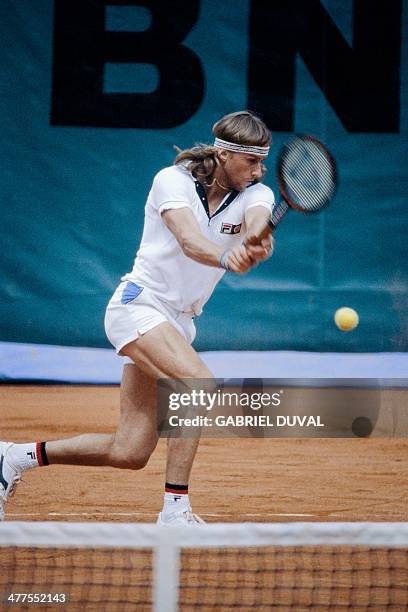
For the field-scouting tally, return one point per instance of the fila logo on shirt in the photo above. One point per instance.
(229, 228)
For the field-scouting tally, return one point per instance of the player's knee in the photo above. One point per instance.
(131, 458)
(137, 461)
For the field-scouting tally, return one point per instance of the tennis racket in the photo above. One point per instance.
(307, 179)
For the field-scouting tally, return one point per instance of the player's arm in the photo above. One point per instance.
(182, 223)
(256, 218)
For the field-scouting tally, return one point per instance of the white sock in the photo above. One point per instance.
(25, 456)
(174, 502)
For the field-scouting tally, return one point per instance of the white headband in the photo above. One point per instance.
(238, 148)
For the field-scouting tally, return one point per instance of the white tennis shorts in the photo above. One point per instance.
(134, 310)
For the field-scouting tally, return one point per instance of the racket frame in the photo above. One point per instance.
(281, 182)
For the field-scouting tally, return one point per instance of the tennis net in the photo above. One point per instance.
(286, 566)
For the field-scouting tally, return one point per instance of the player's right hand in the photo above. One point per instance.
(239, 260)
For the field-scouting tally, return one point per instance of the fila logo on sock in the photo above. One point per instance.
(32, 455)
(177, 498)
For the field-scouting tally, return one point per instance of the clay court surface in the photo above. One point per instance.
(233, 480)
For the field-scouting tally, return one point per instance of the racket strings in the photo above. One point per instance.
(307, 174)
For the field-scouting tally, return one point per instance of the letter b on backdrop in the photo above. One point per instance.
(82, 47)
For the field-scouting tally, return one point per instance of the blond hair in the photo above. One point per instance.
(242, 127)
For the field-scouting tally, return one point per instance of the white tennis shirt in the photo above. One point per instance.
(160, 263)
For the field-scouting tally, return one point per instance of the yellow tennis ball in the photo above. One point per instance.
(346, 319)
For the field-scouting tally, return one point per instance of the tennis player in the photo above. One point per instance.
(202, 217)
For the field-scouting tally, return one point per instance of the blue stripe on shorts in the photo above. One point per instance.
(130, 292)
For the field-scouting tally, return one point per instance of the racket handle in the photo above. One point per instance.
(278, 212)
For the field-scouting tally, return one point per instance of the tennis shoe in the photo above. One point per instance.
(10, 476)
(181, 517)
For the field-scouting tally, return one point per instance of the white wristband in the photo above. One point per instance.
(223, 259)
